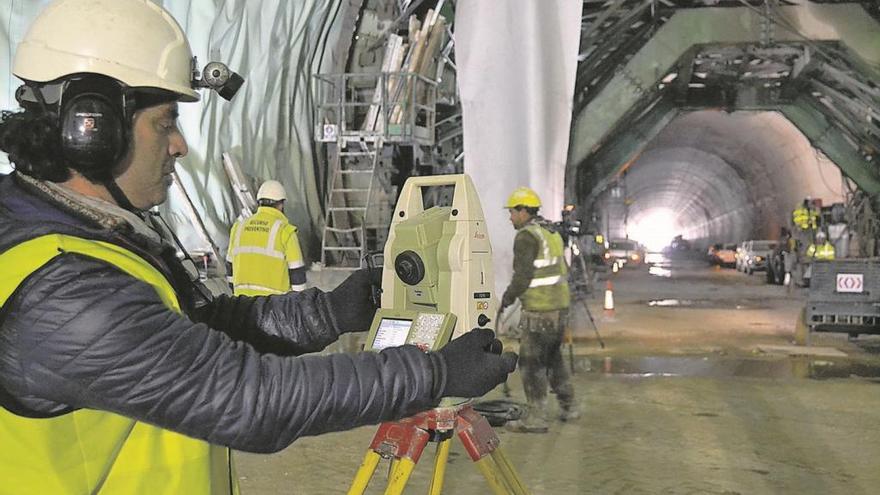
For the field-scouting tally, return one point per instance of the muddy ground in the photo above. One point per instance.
(698, 390)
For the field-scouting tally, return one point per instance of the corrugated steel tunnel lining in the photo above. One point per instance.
(726, 177)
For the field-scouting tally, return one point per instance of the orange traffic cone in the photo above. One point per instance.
(609, 300)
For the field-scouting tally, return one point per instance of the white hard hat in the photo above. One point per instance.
(272, 190)
(133, 41)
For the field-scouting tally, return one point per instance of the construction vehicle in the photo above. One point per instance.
(843, 292)
(832, 221)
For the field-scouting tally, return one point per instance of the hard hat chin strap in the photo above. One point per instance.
(119, 196)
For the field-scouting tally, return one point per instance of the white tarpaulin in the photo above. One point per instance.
(275, 45)
(516, 64)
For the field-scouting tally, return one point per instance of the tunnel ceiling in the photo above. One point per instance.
(728, 55)
(727, 177)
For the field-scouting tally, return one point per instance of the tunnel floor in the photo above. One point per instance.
(709, 396)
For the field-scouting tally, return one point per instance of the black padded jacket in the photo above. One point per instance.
(79, 333)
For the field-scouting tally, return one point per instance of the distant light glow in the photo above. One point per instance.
(654, 258)
(654, 229)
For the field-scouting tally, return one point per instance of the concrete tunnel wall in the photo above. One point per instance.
(726, 177)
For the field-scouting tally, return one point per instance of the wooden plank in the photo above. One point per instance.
(391, 49)
(415, 25)
(435, 39)
(415, 60)
(394, 81)
(397, 96)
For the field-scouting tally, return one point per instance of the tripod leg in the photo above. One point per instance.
(440, 466)
(365, 472)
(494, 476)
(399, 476)
(392, 466)
(595, 328)
(509, 473)
(481, 442)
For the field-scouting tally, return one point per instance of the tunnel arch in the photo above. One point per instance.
(644, 102)
(727, 177)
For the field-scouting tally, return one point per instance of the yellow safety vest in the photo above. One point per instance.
(805, 218)
(262, 249)
(88, 451)
(823, 252)
(548, 289)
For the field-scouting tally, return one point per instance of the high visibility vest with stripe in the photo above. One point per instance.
(805, 218)
(823, 252)
(548, 289)
(88, 451)
(262, 249)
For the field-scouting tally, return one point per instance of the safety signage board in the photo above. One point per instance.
(850, 282)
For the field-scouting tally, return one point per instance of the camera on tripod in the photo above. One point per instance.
(567, 227)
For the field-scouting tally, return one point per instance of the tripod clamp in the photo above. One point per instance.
(404, 441)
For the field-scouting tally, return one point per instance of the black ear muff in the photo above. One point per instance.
(93, 128)
(92, 134)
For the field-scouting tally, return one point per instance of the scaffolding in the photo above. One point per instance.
(359, 117)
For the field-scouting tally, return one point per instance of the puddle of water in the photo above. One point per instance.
(715, 367)
(708, 303)
(659, 271)
(670, 302)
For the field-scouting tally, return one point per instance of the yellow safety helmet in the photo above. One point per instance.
(272, 190)
(136, 42)
(523, 196)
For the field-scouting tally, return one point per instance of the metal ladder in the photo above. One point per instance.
(349, 199)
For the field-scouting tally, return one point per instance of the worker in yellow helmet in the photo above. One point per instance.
(805, 216)
(264, 256)
(540, 281)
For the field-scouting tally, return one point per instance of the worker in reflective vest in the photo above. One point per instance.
(821, 249)
(120, 373)
(540, 281)
(264, 256)
(805, 217)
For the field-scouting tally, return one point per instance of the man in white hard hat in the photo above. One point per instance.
(264, 256)
(118, 372)
(822, 249)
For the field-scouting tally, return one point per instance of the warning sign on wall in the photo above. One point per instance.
(850, 282)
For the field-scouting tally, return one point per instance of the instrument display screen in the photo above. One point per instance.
(392, 332)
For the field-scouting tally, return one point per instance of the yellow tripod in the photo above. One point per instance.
(404, 441)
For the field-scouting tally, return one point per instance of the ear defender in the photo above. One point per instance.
(93, 126)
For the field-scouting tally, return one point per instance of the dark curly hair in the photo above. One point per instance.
(32, 139)
(532, 211)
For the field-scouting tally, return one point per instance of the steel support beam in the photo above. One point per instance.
(610, 161)
(824, 136)
(592, 127)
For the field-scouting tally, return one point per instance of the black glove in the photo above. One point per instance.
(505, 302)
(352, 302)
(475, 364)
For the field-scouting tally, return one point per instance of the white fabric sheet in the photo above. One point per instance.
(516, 64)
(275, 45)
